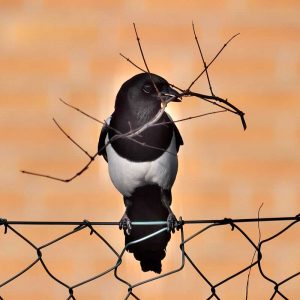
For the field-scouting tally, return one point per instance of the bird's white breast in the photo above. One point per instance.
(127, 175)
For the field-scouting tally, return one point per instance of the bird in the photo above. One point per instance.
(143, 167)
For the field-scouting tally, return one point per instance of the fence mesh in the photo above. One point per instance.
(10, 228)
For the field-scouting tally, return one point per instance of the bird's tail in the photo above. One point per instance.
(147, 206)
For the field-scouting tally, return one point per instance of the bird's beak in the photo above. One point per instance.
(170, 95)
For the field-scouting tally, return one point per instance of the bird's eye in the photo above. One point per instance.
(147, 88)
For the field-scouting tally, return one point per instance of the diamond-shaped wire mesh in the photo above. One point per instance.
(9, 228)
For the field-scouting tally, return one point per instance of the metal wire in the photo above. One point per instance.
(9, 228)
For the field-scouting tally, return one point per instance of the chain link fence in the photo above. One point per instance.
(9, 228)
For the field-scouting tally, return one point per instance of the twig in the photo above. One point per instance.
(130, 61)
(62, 179)
(72, 140)
(192, 117)
(188, 92)
(140, 46)
(202, 57)
(81, 111)
(132, 133)
(145, 63)
(120, 135)
(233, 109)
(195, 80)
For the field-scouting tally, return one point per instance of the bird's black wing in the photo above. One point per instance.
(102, 137)
(178, 137)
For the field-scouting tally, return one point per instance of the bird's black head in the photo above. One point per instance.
(139, 95)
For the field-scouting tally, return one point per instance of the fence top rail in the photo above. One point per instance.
(142, 223)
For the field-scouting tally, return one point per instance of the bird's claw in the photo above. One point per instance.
(125, 224)
(172, 222)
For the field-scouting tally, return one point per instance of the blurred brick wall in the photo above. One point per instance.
(70, 49)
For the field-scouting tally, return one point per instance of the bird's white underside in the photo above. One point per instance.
(127, 175)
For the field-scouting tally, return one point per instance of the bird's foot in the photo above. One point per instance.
(172, 222)
(125, 224)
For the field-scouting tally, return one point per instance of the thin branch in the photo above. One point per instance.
(130, 61)
(72, 140)
(89, 116)
(137, 131)
(120, 135)
(81, 111)
(208, 98)
(151, 122)
(188, 92)
(192, 117)
(62, 179)
(203, 61)
(194, 81)
(151, 147)
(132, 133)
(176, 87)
(145, 63)
(140, 46)
(233, 109)
(201, 115)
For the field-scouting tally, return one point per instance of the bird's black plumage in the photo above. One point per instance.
(143, 171)
(147, 206)
(130, 114)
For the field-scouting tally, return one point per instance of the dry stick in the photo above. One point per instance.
(132, 133)
(194, 81)
(145, 63)
(92, 157)
(203, 61)
(202, 115)
(153, 125)
(104, 123)
(188, 92)
(140, 46)
(81, 111)
(192, 117)
(148, 124)
(61, 179)
(126, 135)
(233, 109)
(72, 140)
(130, 61)
(89, 116)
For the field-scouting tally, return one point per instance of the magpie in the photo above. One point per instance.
(143, 168)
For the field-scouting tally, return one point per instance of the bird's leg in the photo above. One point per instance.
(166, 199)
(125, 222)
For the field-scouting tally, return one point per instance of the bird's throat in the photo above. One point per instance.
(145, 114)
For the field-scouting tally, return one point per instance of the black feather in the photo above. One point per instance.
(101, 143)
(147, 206)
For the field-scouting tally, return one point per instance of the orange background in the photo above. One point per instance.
(70, 49)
